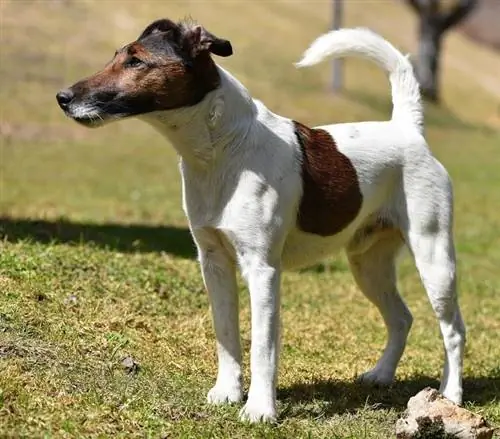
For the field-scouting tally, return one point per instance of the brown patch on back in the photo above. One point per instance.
(331, 196)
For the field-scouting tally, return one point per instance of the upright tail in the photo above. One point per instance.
(367, 44)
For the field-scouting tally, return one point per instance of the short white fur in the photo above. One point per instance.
(241, 181)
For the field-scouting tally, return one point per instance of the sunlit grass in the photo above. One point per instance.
(97, 265)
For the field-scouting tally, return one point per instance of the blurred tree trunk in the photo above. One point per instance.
(434, 21)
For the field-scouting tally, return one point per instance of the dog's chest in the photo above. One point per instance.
(203, 197)
(331, 195)
(219, 197)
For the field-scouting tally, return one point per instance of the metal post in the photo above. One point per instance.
(338, 63)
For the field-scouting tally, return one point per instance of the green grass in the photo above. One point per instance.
(97, 265)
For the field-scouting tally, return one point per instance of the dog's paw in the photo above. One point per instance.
(257, 411)
(377, 377)
(453, 394)
(220, 394)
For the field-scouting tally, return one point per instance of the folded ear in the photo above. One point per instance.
(163, 25)
(199, 40)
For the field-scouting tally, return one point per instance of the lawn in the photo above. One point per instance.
(105, 329)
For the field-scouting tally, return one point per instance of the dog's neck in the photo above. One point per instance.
(215, 126)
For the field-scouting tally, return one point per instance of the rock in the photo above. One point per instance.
(431, 416)
(71, 300)
(130, 365)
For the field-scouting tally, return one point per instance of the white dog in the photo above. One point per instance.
(266, 193)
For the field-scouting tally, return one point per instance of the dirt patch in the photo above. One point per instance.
(34, 351)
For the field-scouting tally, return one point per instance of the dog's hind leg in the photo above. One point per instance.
(375, 272)
(429, 236)
(434, 256)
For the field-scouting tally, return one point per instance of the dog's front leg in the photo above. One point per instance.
(219, 275)
(264, 281)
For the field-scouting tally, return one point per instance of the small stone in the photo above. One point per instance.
(130, 365)
(71, 300)
(430, 415)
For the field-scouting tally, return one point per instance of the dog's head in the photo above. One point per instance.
(169, 66)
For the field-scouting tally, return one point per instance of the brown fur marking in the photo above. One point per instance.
(331, 196)
(168, 67)
(162, 84)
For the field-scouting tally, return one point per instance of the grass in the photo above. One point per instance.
(105, 329)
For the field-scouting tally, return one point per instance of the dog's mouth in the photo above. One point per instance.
(93, 120)
(92, 117)
(89, 121)
(93, 110)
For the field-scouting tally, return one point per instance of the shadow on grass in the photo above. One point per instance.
(119, 237)
(347, 397)
(438, 116)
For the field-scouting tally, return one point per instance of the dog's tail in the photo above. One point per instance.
(367, 44)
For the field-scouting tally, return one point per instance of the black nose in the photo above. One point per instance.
(64, 97)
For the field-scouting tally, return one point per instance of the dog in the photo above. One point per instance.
(266, 193)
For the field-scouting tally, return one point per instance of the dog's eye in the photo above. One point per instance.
(134, 62)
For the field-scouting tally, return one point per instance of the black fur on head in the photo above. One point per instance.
(186, 38)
